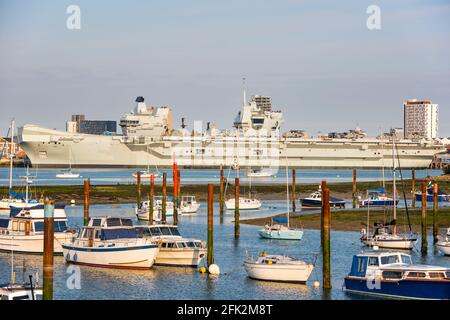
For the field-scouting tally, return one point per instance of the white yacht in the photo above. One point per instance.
(23, 231)
(111, 243)
(68, 174)
(142, 212)
(244, 204)
(278, 268)
(189, 205)
(174, 250)
(443, 244)
(260, 173)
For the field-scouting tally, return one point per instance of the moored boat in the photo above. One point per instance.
(278, 268)
(142, 212)
(244, 204)
(443, 244)
(393, 275)
(110, 243)
(174, 251)
(189, 205)
(377, 198)
(23, 231)
(441, 195)
(384, 237)
(314, 200)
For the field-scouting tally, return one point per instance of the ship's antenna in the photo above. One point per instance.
(245, 94)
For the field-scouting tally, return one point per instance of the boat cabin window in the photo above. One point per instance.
(165, 231)
(181, 245)
(416, 275)
(58, 226)
(389, 259)
(392, 275)
(373, 261)
(437, 275)
(174, 231)
(21, 297)
(155, 231)
(122, 233)
(170, 245)
(406, 259)
(4, 223)
(96, 222)
(191, 244)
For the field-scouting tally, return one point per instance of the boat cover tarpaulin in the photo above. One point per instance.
(377, 190)
(280, 220)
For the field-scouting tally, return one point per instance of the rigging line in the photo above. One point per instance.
(403, 189)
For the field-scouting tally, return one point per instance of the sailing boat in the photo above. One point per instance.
(244, 203)
(145, 174)
(68, 174)
(15, 199)
(278, 230)
(385, 235)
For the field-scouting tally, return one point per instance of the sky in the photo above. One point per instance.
(317, 59)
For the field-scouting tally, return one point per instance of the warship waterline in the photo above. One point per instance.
(255, 141)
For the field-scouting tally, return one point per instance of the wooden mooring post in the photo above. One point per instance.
(293, 190)
(237, 231)
(49, 209)
(151, 199)
(323, 186)
(138, 191)
(424, 219)
(354, 188)
(221, 195)
(86, 202)
(326, 247)
(435, 213)
(210, 254)
(164, 199)
(175, 194)
(413, 188)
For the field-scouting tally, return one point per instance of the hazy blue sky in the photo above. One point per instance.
(317, 60)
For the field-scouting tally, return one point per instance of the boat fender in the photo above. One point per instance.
(316, 284)
(269, 261)
(202, 270)
(214, 269)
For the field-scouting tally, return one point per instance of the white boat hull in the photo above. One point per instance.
(243, 205)
(180, 257)
(444, 247)
(281, 273)
(32, 244)
(68, 176)
(128, 257)
(391, 244)
(192, 208)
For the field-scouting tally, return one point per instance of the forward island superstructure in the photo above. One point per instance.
(148, 138)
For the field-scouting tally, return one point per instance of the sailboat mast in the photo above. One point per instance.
(26, 188)
(394, 187)
(11, 152)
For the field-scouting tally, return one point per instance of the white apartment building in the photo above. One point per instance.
(72, 126)
(420, 119)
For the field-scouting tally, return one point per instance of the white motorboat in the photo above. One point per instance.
(189, 205)
(146, 174)
(20, 292)
(278, 268)
(174, 250)
(443, 245)
(142, 212)
(244, 204)
(23, 231)
(260, 173)
(111, 243)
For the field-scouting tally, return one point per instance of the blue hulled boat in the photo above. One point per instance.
(441, 195)
(279, 231)
(377, 197)
(391, 274)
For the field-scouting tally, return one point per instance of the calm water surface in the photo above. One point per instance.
(186, 283)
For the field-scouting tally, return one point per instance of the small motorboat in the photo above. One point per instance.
(393, 275)
(142, 212)
(111, 243)
(68, 175)
(20, 292)
(174, 250)
(189, 205)
(244, 204)
(377, 197)
(278, 230)
(23, 230)
(443, 245)
(260, 173)
(384, 237)
(315, 201)
(441, 195)
(278, 268)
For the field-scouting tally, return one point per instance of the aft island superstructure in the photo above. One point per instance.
(148, 139)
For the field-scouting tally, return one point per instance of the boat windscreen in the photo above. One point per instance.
(155, 231)
(174, 231)
(4, 223)
(125, 233)
(165, 231)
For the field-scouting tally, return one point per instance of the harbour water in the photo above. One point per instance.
(170, 283)
(198, 176)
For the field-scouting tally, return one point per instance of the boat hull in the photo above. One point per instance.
(130, 257)
(444, 248)
(430, 198)
(180, 257)
(391, 244)
(279, 273)
(313, 203)
(32, 244)
(378, 203)
(402, 289)
(281, 234)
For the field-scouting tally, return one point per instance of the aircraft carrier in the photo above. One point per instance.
(255, 140)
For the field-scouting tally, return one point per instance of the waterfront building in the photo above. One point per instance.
(420, 119)
(72, 126)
